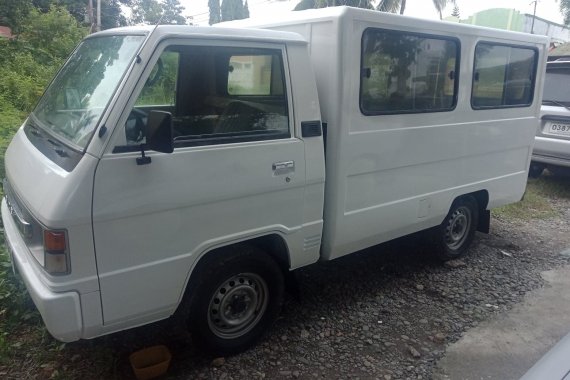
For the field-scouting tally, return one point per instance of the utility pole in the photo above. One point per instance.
(99, 15)
(533, 16)
(90, 18)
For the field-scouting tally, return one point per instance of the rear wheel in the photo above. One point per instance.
(456, 232)
(235, 299)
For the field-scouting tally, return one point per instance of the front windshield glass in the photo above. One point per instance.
(75, 100)
(556, 85)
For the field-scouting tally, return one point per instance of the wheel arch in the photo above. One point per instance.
(272, 244)
(482, 199)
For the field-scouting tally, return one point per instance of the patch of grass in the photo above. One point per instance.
(537, 199)
(551, 186)
(16, 310)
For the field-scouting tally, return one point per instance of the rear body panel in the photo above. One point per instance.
(392, 175)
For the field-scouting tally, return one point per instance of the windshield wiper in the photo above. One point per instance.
(556, 102)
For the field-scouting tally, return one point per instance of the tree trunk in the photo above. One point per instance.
(402, 6)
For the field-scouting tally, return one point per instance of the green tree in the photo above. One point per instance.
(146, 12)
(29, 62)
(245, 10)
(384, 5)
(392, 6)
(13, 13)
(54, 33)
(151, 12)
(232, 10)
(313, 4)
(172, 11)
(440, 6)
(215, 14)
(455, 12)
(565, 9)
(306, 4)
(111, 14)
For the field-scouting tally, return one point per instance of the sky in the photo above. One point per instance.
(547, 9)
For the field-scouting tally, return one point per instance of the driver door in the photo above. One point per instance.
(237, 171)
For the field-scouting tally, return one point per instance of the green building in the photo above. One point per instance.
(511, 19)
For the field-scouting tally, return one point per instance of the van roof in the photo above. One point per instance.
(205, 32)
(389, 20)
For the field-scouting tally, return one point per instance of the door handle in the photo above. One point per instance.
(283, 167)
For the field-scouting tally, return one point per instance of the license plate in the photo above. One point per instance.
(557, 128)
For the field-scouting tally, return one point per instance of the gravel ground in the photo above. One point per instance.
(388, 312)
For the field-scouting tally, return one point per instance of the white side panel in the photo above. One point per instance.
(391, 175)
(399, 174)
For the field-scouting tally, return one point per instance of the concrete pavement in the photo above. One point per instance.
(505, 348)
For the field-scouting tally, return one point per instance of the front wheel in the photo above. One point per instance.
(235, 300)
(456, 232)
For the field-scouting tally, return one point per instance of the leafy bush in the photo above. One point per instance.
(10, 120)
(30, 61)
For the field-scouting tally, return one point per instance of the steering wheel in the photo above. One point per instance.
(135, 132)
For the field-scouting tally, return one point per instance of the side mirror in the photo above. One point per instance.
(159, 132)
(158, 135)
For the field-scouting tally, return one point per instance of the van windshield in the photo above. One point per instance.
(73, 103)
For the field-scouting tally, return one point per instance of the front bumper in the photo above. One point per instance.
(61, 312)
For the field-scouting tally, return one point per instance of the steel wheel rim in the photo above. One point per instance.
(458, 227)
(237, 305)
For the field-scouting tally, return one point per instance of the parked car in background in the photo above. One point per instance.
(552, 142)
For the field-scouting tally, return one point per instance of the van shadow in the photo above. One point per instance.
(351, 280)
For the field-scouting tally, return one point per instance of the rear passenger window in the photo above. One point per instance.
(407, 72)
(250, 75)
(216, 95)
(503, 76)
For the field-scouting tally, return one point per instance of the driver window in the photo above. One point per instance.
(216, 95)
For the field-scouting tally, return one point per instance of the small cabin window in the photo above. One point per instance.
(503, 76)
(407, 72)
(250, 74)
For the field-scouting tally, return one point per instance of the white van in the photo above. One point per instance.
(182, 169)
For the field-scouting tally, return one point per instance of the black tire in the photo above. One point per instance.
(535, 170)
(248, 285)
(456, 232)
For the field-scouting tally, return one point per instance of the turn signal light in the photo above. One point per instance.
(55, 252)
(54, 240)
